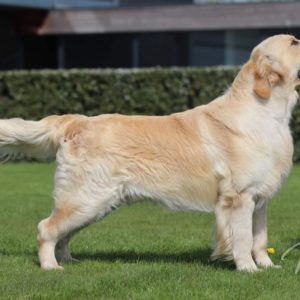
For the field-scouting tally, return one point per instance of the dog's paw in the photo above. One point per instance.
(264, 261)
(48, 267)
(276, 266)
(70, 260)
(65, 256)
(264, 265)
(249, 267)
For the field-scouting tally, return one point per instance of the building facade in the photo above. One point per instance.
(131, 33)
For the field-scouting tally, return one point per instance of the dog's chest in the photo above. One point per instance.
(268, 163)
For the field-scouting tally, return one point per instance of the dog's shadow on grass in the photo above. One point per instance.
(200, 256)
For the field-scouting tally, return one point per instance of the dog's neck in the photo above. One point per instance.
(280, 104)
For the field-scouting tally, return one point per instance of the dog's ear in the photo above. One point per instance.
(267, 73)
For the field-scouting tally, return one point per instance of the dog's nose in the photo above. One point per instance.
(298, 74)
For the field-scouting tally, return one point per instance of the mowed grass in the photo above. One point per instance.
(137, 252)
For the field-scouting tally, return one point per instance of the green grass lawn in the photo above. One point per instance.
(137, 252)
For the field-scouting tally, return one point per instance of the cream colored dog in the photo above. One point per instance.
(230, 156)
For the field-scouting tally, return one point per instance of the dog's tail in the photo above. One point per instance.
(20, 139)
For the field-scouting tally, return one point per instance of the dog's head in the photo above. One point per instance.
(276, 61)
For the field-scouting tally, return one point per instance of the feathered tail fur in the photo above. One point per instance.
(20, 139)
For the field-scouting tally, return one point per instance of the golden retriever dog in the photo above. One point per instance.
(229, 156)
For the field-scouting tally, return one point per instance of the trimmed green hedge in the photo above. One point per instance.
(35, 94)
(157, 91)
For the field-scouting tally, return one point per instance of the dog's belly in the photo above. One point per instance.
(177, 192)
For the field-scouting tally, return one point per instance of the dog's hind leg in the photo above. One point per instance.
(63, 223)
(59, 227)
(49, 231)
(85, 191)
(62, 251)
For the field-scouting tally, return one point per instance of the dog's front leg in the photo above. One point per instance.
(234, 238)
(241, 229)
(260, 235)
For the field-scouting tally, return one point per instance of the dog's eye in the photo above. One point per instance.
(294, 43)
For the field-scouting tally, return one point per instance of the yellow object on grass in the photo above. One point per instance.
(271, 250)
